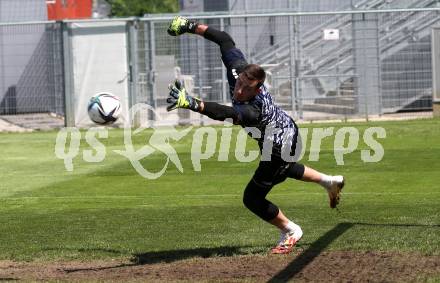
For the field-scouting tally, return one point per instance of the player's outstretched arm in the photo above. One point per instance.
(180, 98)
(180, 25)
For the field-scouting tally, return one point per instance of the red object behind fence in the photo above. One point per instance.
(69, 9)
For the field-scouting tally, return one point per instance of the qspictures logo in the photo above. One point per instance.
(207, 141)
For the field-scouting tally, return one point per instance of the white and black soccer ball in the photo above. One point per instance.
(104, 108)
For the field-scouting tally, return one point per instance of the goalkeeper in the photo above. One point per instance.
(252, 106)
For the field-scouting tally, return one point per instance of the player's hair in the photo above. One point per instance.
(255, 72)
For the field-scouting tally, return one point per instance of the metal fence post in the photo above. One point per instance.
(379, 68)
(435, 64)
(224, 79)
(152, 66)
(200, 73)
(59, 78)
(246, 31)
(133, 72)
(55, 72)
(2, 66)
(69, 112)
(294, 64)
(52, 59)
(297, 54)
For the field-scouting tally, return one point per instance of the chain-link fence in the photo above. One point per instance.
(31, 69)
(320, 65)
(329, 65)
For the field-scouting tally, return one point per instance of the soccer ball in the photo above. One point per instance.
(104, 108)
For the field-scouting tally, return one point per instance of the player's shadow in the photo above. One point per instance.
(85, 250)
(169, 256)
(293, 268)
(396, 225)
(316, 248)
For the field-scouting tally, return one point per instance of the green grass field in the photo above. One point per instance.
(106, 210)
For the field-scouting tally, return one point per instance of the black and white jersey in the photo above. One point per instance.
(260, 112)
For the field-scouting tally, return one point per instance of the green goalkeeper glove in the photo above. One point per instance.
(180, 25)
(179, 98)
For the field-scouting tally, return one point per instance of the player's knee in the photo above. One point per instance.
(256, 201)
(250, 199)
(296, 171)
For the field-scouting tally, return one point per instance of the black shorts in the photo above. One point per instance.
(270, 173)
(277, 170)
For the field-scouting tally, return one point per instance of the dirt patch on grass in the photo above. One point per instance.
(326, 267)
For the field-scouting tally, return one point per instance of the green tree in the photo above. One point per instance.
(130, 8)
